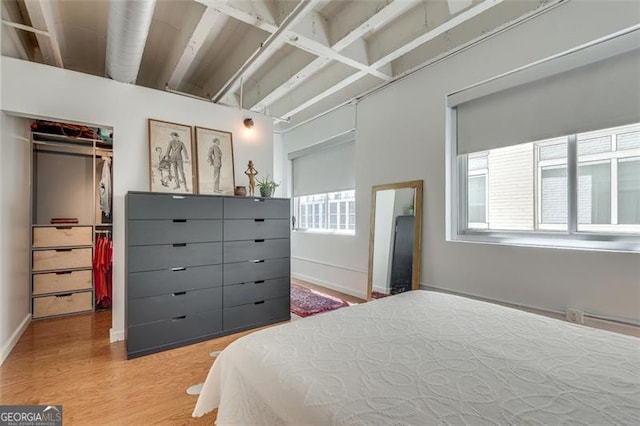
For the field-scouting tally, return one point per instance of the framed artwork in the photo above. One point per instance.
(214, 151)
(171, 161)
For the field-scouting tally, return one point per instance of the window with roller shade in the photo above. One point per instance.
(524, 175)
(324, 186)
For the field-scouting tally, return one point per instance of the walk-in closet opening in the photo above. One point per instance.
(71, 217)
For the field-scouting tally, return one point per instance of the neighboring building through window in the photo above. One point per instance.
(330, 212)
(525, 187)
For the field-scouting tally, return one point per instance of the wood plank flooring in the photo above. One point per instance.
(70, 361)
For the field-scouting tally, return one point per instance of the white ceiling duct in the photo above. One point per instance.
(129, 22)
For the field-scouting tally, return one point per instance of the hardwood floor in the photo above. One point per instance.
(70, 361)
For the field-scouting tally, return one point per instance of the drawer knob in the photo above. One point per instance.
(182, 268)
(64, 295)
(60, 250)
(179, 293)
(259, 200)
(258, 303)
(259, 282)
(63, 227)
(259, 241)
(179, 220)
(180, 244)
(63, 272)
(257, 261)
(181, 317)
(258, 220)
(178, 197)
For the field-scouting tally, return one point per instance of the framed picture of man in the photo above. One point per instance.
(171, 161)
(214, 151)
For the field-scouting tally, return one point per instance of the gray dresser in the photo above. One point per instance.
(202, 266)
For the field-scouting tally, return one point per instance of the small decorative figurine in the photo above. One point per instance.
(251, 172)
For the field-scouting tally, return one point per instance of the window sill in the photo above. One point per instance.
(586, 242)
(325, 232)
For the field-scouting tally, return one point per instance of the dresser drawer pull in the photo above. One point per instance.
(258, 303)
(258, 220)
(59, 250)
(259, 241)
(259, 200)
(178, 197)
(180, 245)
(179, 293)
(63, 227)
(179, 220)
(182, 268)
(64, 295)
(179, 318)
(259, 282)
(257, 261)
(63, 272)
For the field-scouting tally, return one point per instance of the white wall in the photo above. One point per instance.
(33, 89)
(400, 136)
(15, 230)
(335, 261)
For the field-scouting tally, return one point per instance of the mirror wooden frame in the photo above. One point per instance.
(417, 185)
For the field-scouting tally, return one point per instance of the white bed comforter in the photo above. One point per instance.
(426, 358)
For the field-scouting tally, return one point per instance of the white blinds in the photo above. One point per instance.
(328, 167)
(583, 91)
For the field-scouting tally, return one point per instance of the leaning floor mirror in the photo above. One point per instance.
(394, 238)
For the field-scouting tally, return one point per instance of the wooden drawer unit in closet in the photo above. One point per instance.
(51, 260)
(62, 304)
(62, 236)
(65, 281)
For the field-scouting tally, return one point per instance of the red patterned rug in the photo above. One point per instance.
(306, 302)
(378, 295)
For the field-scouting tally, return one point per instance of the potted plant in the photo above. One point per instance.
(267, 186)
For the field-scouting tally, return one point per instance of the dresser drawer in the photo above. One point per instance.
(62, 281)
(150, 258)
(240, 251)
(235, 273)
(62, 304)
(160, 335)
(255, 229)
(61, 236)
(256, 208)
(242, 294)
(47, 260)
(155, 283)
(173, 305)
(255, 314)
(148, 232)
(167, 206)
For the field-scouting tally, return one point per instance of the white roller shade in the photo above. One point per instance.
(324, 169)
(592, 91)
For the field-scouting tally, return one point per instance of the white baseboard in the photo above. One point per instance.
(329, 285)
(15, 336)
(116, 335)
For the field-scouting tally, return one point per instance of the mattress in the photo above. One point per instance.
(426, 358)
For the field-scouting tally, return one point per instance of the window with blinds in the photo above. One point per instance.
(551, 152)
(324, 186)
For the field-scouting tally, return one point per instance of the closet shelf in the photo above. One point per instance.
(46, 137)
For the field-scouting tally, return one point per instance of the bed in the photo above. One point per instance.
(426, 358)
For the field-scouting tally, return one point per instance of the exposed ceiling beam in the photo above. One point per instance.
(42, 18)
(267, 49)
(243, 11)
(211, 23)
(440, 29)
(355, 50)
(386, 60)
